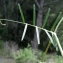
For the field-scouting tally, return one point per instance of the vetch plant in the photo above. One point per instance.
(53, 28)
(44, 30)
(53, 38)
(56, 39)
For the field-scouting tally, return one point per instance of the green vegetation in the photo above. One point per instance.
(1, 44)
(58, 59)
(53, 39)
(25, 55)
(42, 26)
(3, 51)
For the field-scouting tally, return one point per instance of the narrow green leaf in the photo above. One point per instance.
(22, 16)
(34, 14)
(52, 39)
(56, 21)
(55, 43)
(46, 18)
(53, 27)
(58, 24)
(59, 45)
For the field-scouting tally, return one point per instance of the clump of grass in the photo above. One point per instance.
(4, 53)
(25, 55)
(58, 59)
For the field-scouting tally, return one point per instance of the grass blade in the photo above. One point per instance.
(53, 27)
(37, 31)
(58, 24)
(22, 16)
(54, 42)
(46, 18)
(57, 40)
(49, 36)
(34, 14)
(56, 21)
(24, 32)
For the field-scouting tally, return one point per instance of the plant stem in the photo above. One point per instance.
(23, 23)
(53, 27)
(58, 24)
(34, 14)
(22, 16)
(46, 18)
(44, 56)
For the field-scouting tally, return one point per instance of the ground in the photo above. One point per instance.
(51, 58)
(4, 60)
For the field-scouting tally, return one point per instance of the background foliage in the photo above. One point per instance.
(13, 31)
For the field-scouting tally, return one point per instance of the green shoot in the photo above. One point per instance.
(58, 24)
(56, 21)
(46, 18)
(53, 27)
(22, 16)
(34, 14)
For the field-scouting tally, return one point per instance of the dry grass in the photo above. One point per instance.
(2, 60)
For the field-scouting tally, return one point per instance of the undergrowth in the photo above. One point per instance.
(25, 55)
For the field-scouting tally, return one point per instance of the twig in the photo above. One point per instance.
(37, 3)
